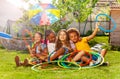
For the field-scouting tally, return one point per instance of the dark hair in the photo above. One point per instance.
(71, 30)
(39, 34)
(48, 32)
(58, 41)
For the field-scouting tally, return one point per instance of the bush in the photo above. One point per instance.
(89, 32)
(115, 48)
(92, 42)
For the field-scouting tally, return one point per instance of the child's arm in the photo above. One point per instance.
(45, 51)
(28, 46)
(31, 51)
(94, 33)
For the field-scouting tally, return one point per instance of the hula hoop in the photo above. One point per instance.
(34, 67)
(86, 54)
(24, 38)
(50, 56)
(96, 65)
(67, 65)
(83, 67)
(62, 63)
(66, 51)
(103, 29)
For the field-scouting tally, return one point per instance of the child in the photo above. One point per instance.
(82, 43)
(62, 45)
(51, 37)
(37, 52)
(62, 42)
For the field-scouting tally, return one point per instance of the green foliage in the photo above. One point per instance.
(89, 32)
(118, 1)
(115, 48)
(80, 8)
(60, 25)
(107, 46)
(92, 42)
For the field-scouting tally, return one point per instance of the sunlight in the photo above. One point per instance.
(23, 4)
(19, 3)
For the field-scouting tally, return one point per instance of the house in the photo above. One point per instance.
(114, 37)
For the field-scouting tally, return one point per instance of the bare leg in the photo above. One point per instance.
(78, 56)
(103, 52)
(85, 59)
(57, 54)
(42, 57)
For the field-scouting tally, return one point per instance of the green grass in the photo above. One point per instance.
(8, 70)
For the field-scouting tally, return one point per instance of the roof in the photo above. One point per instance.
(112, 3)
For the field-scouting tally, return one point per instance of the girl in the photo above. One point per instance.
(51, 37)
(62, 42)
(37, 53)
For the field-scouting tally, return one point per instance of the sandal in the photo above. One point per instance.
(25, 63)
(17, 61)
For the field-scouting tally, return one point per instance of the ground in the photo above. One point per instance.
(8, 70)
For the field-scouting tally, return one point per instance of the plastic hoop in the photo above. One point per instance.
(103, 29)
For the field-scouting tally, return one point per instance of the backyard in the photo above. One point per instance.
(8, 69)
(44, 15)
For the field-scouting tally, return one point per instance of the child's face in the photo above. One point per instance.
(37, 37)
(62, 36)
(51, 37)
(73, 37)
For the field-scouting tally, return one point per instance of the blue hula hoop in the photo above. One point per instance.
(103, 29)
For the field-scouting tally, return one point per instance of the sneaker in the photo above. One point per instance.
(105, 64)
(91, 63)
(17, 61)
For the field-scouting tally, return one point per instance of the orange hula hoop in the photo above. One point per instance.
(24, 38)
(81, 64)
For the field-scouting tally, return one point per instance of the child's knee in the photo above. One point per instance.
(81, 53)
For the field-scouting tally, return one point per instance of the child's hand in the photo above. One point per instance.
(33, 51)
(28, 46)
(97, 24)
(32, 55)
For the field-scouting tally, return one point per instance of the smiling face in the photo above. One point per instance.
(52, 38)
(73, 37)
(37, 37)
(62, 36)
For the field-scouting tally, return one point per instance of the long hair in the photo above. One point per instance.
(58, 41)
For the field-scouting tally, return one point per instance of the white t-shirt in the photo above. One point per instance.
(51, 47)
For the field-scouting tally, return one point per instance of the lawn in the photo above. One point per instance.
(8, 70)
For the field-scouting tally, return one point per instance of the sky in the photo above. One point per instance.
(10, 9)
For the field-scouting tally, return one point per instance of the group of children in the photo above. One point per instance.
(56, 46)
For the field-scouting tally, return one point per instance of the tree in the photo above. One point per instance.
(81, 9)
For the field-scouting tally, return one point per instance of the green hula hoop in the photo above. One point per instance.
(65, 64)
(98, 64)
(97, 55)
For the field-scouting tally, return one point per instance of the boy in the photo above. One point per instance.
(82, 43)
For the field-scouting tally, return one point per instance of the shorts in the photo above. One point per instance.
(98, 47)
